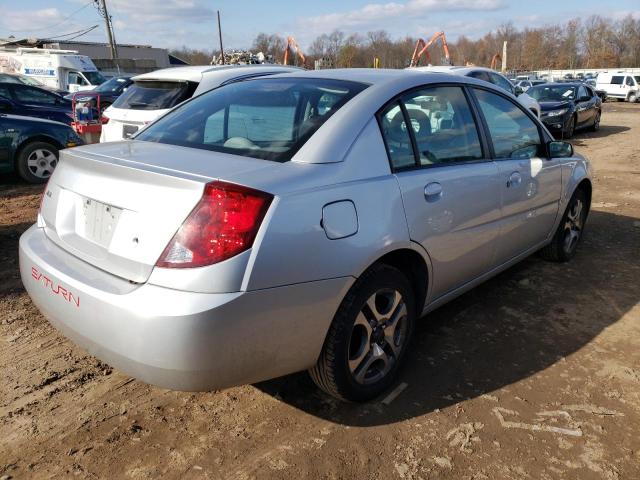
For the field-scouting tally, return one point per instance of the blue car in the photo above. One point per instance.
(108, 91)
(30, 101)
(31, 146)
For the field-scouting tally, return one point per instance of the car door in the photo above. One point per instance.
(529, 183)
(6, 138)
(448, 183)
(585, 107)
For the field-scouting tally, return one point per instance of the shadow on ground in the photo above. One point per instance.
(513, 326)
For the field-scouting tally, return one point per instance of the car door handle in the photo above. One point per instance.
(433, 192)
(515, 179)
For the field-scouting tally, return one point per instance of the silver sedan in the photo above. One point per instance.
(300, 221)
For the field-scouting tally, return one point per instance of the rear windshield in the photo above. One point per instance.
(617, 80)
(267, 118)
(154, 95)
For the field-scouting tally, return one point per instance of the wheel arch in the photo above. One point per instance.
(415, 266)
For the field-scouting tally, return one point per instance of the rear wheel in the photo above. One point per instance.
(569, 233)
(36, 161)
(368, 338)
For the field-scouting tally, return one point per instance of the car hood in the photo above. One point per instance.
(555, 105)
(23, 118)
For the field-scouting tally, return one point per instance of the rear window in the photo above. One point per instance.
(154, 95)
(617, 80)
(267, 118)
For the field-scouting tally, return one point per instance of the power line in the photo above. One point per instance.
(55, 24)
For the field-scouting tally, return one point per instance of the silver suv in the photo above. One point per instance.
(301, 221)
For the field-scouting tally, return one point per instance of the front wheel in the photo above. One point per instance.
(571, 128)
(569, 233)
(596, 122)
(36, 161)
(632, 98)
(368, 338)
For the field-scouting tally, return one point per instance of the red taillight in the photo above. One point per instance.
(223, 224)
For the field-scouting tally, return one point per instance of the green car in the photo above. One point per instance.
(30, 145)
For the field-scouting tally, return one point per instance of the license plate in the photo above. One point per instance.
(128, 130)
(100, 221)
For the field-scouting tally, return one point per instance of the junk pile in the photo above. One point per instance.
(242, 57)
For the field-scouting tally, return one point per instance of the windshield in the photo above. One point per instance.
(154, 95)
(269, 118)
(556, 93)
(95, 78)
(112, 85)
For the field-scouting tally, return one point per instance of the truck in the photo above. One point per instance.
(60, 69)
(620, 85)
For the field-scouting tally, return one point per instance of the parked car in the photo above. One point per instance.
(301, 221)
(621, 86)
(19, 99)
(527, 84)
(31, 146)
(601, 93)
(491, 76)
(567, 107)
(108, 92)
(154, 94)
(26, 80)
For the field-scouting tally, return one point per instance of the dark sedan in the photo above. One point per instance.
(108, 91)
(567, 107)
(30, 146)
(29, 101)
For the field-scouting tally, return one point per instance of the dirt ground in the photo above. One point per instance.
(535, 374)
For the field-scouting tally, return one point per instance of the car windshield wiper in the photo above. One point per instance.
(139, 104)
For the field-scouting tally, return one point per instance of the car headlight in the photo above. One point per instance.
(557, 113)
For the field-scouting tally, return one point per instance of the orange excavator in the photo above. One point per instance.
(494, 61)
(422, 49)
(293, 45)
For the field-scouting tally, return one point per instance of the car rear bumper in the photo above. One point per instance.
(176, 339)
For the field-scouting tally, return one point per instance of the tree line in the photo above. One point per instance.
(594, 42)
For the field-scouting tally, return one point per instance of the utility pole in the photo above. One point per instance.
(220, 37)
(101, 5)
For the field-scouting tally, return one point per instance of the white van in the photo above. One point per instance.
(620, 85)
(155, 93)
(59, 69)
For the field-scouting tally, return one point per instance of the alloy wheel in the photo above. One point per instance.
(573, 226)
(378, 336)
(41, 162)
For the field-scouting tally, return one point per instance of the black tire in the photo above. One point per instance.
(33, 169)
(596, 122)
(571, 128)
(561, 249)
(349, 343)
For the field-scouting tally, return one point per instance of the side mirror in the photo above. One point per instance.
(558, 149)
(519, 90)
(5, 105)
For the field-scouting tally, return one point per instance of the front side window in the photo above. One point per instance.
(267, 118)
(26, 94)
(513, 133)
(503, 83)
(582, 92)
(629, 81)
(443, 126)
(74, 78)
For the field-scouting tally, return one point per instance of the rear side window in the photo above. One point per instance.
(268, 118)
(513, 133)
(396, 137)
(617, 80)
(154, 95)
(26, 94)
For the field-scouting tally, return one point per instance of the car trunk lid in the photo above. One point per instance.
(118, 205)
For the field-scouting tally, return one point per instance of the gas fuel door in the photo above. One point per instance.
(339, 219)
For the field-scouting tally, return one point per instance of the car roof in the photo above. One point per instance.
(371, 76)
(454, 69)
(195, 73)
(563, 84)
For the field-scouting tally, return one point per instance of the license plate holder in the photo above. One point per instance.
(128, 130)
(100, 221)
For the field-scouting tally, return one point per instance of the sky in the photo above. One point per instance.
(192, 23)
